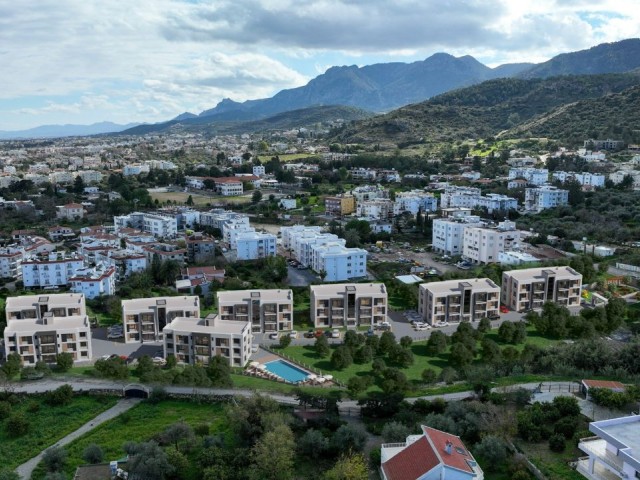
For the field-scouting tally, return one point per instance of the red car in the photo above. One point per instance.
(504, 309)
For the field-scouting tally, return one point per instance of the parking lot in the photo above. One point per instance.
(402, 254)
(101, 346)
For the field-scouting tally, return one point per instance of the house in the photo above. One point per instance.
(614, 451)
(432, 455)
(348, 304)
(58, 233)
(228, 186)
(587, 385)
(269, 310)
(287, 203)
(70, 211)
(192, 277)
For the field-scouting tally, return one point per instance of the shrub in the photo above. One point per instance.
(60, 396)
(5, 410)
(341, 358)
(92, 454)
(557, 443)
(54, 459)
(17, 425)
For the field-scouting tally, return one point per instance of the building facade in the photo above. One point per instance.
(54, 271)
(95, 281)
(267, 311)
(252, 245)
(458, 300)
(532, 287)
(337, 262)
(348, 304)
(144, 318)
(448, 233)
(484, 245)
(340, 205)
(546, 196)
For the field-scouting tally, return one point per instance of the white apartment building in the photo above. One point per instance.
(266, 310)
(369, 192)
(586, 178)
(618, 177)
(160, 226)
(348, 304)
(484, 244)
(125, 262)
(196, 340)
(448, 233)
(287, 203)
(89, 176)
(533, 176)
(458, 300)
(145, 318)
(338, 262)
(259, 171)
(228, 187)
(94, 281)
(10, 260)
(469, 197)
(41, 326)
(218, 218)
(135, 169)
(302, 247)
(70, 211)
(54, 271)
(513, 257)
(378, 209)
(614, 451)
(254, 245)
(288, 234)
(414, 201)
(233, 229)
(532, 287)
(546, 196)
(494, 201)
(62, 177)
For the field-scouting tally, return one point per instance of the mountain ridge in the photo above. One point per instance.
(66, 130)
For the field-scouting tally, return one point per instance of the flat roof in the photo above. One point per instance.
(409, 279)
(624, 433)
(268, 295)
(217, 325)
(336, 289)
(181, 301)
(55, 323)
(453, 286)
(529, 273)
(52, 299)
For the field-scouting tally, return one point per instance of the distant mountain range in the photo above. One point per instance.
(53, 131)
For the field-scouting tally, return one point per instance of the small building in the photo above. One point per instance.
(530, 288)
(70, 211)
(58, 233)
(587, 385)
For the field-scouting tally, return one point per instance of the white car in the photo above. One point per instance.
(442, 324)
(115, 334)
(335, 333)
(293, 334)
(423, 327)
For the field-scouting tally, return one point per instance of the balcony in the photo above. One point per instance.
(611, 464)
(599, 472)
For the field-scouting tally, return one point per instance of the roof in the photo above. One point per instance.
(93, 472)
(454, 286)
(412, 462)
(603, 384)
(215, 325)
(337, 289)
(459, 454)
(538, 273)
(242, 296)
(71, 205)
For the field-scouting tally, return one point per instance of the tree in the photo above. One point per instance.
(78, 185)
(313, 444)
(273, 455)
(448, 375)
(256, 196)
(54, 458)
(64, 361)
(60, 396)
(395, 432)
(92, 454)
(363, 354)
(406, 341)
(492, 450)
(285, 341)
(178, 461)
(219, 372)
(485, 325)
(177, 434)
(437, 343)
(356, 385)
(429, 376)
(17, 425)
(387, 342)
(557, 443)
(322, 346)
(148, 461)
(189, 201)
(506, 332)
(12, 366)
(341, 358)
(460, 355)
(350, 467)
(9, 475)
(349, 437)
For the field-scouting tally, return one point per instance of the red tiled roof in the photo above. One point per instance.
(603, 384)
(459, 453)
(412, 462)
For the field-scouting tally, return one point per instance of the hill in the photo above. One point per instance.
(54, 131)
(286, 120)
(482, 110)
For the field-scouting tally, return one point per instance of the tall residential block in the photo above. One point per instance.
(144, 318)
(348, 304)
(532, 287)
(266, 310)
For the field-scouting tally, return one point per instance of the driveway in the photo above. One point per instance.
(300, 278)
(102, 346)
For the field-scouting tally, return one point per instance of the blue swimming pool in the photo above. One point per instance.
(287, 371)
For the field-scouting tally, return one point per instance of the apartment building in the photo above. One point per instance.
(532, 287)
(379, 209)
(348, 304)
(41, 326)
(144, 318)
(484, 244)
(196, 340)
(458, 300)
(614, 450)
(259, 170)
(10, 260)
(54, 270)
(607, 144)
(89, 176)
(266, 310)
(70, 211)
(95, 281)
(448, 233)
(337, 262)
(546, 196)
(469, 197)
(340, 205)
(160, 226)
(585, 178)
(252, 245)
(164, 252)
(414, 201)
(302, 246)
(200, 247)
(288, 234)
(533, 176)
(228, 186)
(369, 192)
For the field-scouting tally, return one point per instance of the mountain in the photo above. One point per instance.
(484, 110)
(286, 120)
(615, 57)
(185, 116)
(53, 131)
(379, 87)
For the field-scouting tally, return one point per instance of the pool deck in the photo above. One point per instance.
(264, 356)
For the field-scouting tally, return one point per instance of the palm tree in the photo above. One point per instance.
(322, 274)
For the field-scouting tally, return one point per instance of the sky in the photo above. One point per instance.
(86, 61)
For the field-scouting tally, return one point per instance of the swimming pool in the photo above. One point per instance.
(287, 371)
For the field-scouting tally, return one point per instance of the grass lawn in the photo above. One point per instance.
(181, 197)
(551, 464)
(139, 424)
(47, 426)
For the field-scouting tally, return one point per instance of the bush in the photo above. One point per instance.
(92, 454)
(429, 376)
(54, 459)
(5, 410)
(313, 444)
(285, 341)
(17, 425)
(493, 451)
(557, 443)
(64, 361)
(60, 396)
(394, 432)
(341, 358)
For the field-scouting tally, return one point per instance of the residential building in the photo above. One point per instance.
(219, 218)
(145, 318)
(448, 233)
(466, 300)
(288, 234)
(348, 304)
(369, 192)
(254, 245)
(228, 186)
(340, 205)
(70, 211)
(363, 173)
(546, 196)
(585, 178)
(54, 270)
(58, 233)
(287, 203)
(484, 244)
(61, 177)
(192, 277)
(378, 209)
(532, 287)
(94, 281)
(611, 385)
(126, 262)
(41, 326)
(259, 170)
(337, 262)
(89, 176)
(470, 197)
(164, 252)
(200, 248)
(135, 169)
(414, 201)
(432, 455)
(533, 176)
(10, 260)
(266, 310)
(196, 340)
(619, 176)
(160, 226)
(514, 257)
(607, 144)
(614, 450)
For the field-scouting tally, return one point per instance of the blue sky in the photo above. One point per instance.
(79, 61)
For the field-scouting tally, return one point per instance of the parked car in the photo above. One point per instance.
(335, 333)
(273, 336)
(114, 335)
(442, 324)
(293, 334)
(370, 332)
(504, 309)
(310, 333)
(254, 348)
(423, 327)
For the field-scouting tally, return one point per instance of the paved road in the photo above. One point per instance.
(26, 469)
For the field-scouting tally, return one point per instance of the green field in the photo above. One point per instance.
(286, 158)
(198, 200)
(139, 424)
(47, 425)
